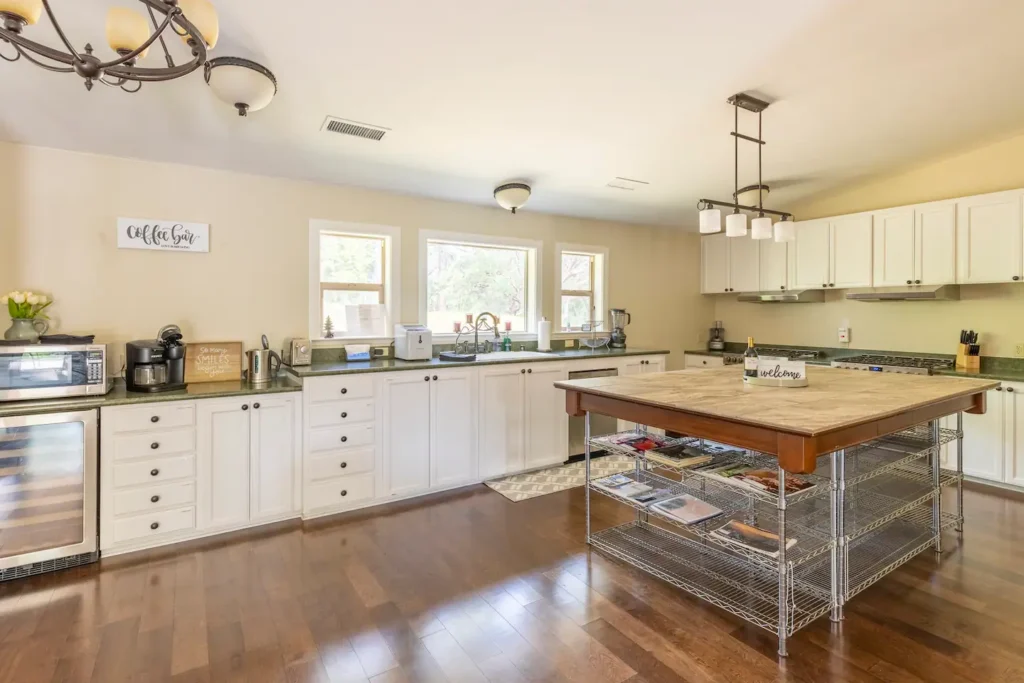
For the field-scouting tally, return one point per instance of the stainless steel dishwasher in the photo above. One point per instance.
(599, 424)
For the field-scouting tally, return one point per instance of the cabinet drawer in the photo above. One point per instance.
(149, 498)
(340, 412)
(154, 471)
(154, 524)
(334, 438)
(340, 492)
(340, 463)
(695, 361)
(339, 387)
(154, 443)
(154, 416)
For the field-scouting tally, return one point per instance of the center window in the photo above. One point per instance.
(465, 278)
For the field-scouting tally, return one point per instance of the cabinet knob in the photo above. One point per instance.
(523, 371)
(783, 287)
(344, 415)
(153, 472)
(831, 284)
(154, 499)
(1016, 277)
(1010, 389)
(999, 388)
(155, 418)
(344, 390)
(256, 406)
(154, 445)
(344, 465)
(154, 526)
(344, 492)
(530, 371)
(427, 378)
(917, 282)
(245, 406)
(704, 362)
(344, 439)
(910, 282)
(435, 378)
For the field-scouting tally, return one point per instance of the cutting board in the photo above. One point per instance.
(213, 362)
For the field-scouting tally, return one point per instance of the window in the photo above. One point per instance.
(582, 293)
(464, 275)
(351, 265)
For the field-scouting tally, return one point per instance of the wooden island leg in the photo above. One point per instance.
(783, 569)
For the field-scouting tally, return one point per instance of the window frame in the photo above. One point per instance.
(598, 284)
(534, 278)
(390, 289)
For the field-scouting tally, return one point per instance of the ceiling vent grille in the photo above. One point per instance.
(355, 128)
(629, 184)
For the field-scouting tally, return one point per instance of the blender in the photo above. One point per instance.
(716, 337)
(619, 320)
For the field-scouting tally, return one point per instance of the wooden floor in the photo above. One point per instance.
(472, 587)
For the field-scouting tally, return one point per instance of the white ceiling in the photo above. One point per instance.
(565, 95)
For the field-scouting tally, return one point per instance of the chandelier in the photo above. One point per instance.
(736, 222)
(246, 85)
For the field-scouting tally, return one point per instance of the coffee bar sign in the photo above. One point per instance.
(138, 233)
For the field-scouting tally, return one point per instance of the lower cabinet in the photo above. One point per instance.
(546, 422)
(994, 442)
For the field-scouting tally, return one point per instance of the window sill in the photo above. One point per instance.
(338, 342)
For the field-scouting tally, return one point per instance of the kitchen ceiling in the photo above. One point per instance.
(562, 95)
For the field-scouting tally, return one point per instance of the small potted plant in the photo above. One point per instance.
(27, 318)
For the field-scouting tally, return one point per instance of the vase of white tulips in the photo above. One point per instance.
(27, 318)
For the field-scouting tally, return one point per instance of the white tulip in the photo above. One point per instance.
(42, 298)
(32, 299)
(18, 298)
(4, 299)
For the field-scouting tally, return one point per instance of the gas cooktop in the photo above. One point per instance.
(769, 352)
(913, 365)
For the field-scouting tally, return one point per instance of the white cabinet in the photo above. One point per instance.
(810, 255)
(452, 428)
(502, 420)
(895, 248)
(984, 439)
(547, 423)
(744, 264)
(1013, 419)
(635, 365)
(832, 253)
(714, 264)
(274, 487)
(990, 233)
(773, 265)
(694, 360)
(732, 264)
(936, 243)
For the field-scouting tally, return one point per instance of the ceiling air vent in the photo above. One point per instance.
(333, 124)
(628, 184)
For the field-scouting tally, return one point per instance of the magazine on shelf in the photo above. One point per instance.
(679, 456)
(638, 443)
(686, 509)
(751, 537)
(621, 485)
(758, 479)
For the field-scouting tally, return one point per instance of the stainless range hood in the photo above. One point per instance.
(797, 296)
(925, 293)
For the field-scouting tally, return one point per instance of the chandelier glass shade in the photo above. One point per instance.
(710, 221)
(761, 228)
(785, 230)
(736, 225)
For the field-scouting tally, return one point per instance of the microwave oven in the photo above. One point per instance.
(37, 371)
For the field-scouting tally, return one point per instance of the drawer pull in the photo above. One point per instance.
(344, 390)
(344, 439)
(153, 472)
(154, 526)
(1010, 389)
(245, 407)
(344, 415)
(530, 371)
(344, 465)
(154, 499)
(427, 378)
(435, 378)
(155, 445)
(155, 418)
(523, 371)
(256, 406)
(344, 492)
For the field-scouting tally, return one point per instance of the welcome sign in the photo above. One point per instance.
(140, 233)
(779, 373)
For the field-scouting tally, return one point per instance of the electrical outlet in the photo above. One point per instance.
(844, 335)
(380, 351)
(1020, 350)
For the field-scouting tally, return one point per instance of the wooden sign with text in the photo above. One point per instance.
(144, 233)
(213, 362)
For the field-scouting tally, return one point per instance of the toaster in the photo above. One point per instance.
(413, 342)
(297, 352)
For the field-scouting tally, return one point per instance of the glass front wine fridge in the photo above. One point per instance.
(48, 491)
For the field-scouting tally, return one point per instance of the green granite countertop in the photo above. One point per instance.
(119, 395)
(392, 365)
(992, 367)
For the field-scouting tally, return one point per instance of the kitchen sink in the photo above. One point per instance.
(512, 355)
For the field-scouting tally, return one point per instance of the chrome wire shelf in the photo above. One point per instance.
(739, 587)
(893, 452)
(812, 540)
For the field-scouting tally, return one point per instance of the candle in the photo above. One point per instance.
(457, 327)
(469, 318)
(508, 326)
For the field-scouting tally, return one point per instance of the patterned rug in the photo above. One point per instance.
(542, 482)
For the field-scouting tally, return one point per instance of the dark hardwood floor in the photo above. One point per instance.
(471, 587)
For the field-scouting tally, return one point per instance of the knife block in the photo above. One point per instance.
(965, 362)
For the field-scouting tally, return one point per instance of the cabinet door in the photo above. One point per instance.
(222, 435)
(983, 439)
(547, 423)
(936, 244)
(452, 427)
(501, 420)
(774, 266)
(273, 425)
(655, 364)
(406, 432)
(810, 255)
(895, 254)
(714, 264)
(989, 235)
(1014, 431)
(631, 366)
(744, 264)
(851, 252)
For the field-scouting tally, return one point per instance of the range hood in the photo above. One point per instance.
(926, 293)
(797, 296)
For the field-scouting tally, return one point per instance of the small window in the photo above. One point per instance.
(581, 295)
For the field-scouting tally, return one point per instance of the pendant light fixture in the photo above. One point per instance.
(736, 222)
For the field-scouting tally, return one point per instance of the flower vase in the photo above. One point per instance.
(26, 330)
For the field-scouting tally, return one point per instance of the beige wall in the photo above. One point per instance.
(997, 311)
(58, 236)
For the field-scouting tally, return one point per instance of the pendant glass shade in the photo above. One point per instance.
(710, 221)
(126, 30)
(242, 83)
(29, 10)
(201, 14)
(761, 228)
(785, 230)
(736, 225)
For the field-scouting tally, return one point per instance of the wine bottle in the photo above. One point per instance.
(750, 359)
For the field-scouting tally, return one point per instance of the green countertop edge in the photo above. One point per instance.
(992, 367)
(394, 365)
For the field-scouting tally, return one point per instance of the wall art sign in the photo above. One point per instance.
(144, 233)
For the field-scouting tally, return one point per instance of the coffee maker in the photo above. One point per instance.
(619, 319)
(154, 365)
(716, 337)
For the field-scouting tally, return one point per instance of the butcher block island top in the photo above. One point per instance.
(840, 408)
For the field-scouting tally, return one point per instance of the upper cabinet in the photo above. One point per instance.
(811, 263)
(774, 265)
(915, 245)
(742, 264)
(832, 252)
(989, 238)
(714, 264)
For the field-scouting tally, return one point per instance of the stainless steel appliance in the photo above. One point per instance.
(413, 342)
(599, 424)
(799, 296)
(912, 293)
(48, 469)
(716, 337)
(50, 371)
(619, 319)
(261, 368)
(297, 351)
(769, 352)
(912, 365)
(154, 365)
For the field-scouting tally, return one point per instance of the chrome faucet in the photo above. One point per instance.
(476, 329)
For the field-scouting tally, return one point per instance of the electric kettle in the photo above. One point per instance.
(261, 368)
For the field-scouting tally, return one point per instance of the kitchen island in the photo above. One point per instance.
(842, 522)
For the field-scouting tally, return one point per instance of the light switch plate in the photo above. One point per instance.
(844, 335)
(1020, 350)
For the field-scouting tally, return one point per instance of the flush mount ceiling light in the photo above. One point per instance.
(512, 196)
(244, 84)
(744, 199)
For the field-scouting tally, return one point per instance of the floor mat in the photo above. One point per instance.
(542, 482)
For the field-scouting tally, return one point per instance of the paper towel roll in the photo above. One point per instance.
(544, 335)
